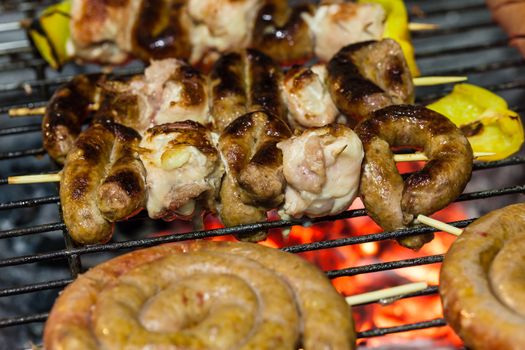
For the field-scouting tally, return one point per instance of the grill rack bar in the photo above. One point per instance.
(350, 213)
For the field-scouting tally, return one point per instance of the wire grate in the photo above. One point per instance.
(72, 256)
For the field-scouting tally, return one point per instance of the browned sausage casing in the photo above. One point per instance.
(368, 76)
(201, 295)
(394, 203)
(482, 282)
(245, 82)
(65, 112)
(123, 191)
(254, 181)
(84, 170)
(281, 32)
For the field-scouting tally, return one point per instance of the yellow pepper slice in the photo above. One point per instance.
(50, 33)
(396, 27)
(484, 118)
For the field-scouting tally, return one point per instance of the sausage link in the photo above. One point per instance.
(83, 171)
(509, 15)
(233, 296)
(123, 191)
(481, 282)
(282, 33)
(368, 76)
(394, 203)
(228, 90)
(263, 79)
(65, 113)
(254, 168)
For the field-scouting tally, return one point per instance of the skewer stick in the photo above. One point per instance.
(32, 179)
(40, 178)
(418, 81)
(438, 80)
(420, 27)
(418, 156)
(386, 293)
(439, 225)
(23, 111)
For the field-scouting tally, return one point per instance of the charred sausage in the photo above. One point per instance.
(368, 76)
(394, 203)
(122, 193)
(481, 281)
(282, 33)
(65, 112)
(254, 170)
(84, 170)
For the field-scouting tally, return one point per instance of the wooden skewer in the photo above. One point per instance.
(386, 293)
(23, 111)
(32, 179)
(40, 178)
(420, 27)
(418, 81)
(418, 156)
(439, 225)
(438, 80)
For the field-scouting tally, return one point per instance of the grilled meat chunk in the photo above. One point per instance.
(335, 25)
(254, 180)
(368, 76)
(322, 168)
(183, 169)
(170, 91)
(394, 203)
(220, 26)
(306, 94)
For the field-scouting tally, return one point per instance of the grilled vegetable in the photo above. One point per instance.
(50, 33)
(484, 118)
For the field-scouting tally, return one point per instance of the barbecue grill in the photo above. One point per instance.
(34, 238)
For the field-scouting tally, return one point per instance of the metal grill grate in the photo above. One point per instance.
(16, 55)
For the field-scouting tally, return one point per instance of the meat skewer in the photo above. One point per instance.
(200, 30)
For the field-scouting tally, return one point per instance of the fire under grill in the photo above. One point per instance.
(34, 237)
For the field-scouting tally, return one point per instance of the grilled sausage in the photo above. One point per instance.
(263, 79)
(65, 112)
(509, 14)
(368, 76)
(282, 33)
(254, 164)
(201, 295)
(481, 281)
(123, 191)
(245, 82)
(228, 90)
(83, 171)
(394, 203)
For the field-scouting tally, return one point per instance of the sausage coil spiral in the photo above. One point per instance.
(482, 281)
(201, 295)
